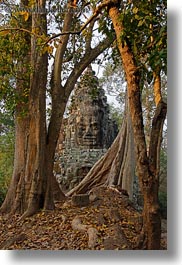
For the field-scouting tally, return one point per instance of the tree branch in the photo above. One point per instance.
(7, 31)
(95, 14)
(84, 62)
(157, 125)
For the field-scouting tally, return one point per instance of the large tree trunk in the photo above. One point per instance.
(127, 171)
(21, 126)
(146, 168)
(27, 191)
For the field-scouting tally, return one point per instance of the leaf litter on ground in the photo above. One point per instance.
(115, 218)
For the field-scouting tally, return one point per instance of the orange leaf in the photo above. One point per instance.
(4, 32)
(25, 15)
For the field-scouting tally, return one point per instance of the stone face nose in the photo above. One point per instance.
(88, 133)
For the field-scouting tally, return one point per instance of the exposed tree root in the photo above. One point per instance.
(13, 240)
(91, 231)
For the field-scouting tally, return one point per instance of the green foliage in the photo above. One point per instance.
(6, 150)
(13, 49)
(6, 120)
(114, 83)
(116, 114)
(145, 31)
(163, 204)
(163, 166)
(6, 161)
(163, 160)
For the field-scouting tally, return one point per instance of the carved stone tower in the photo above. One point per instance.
(86, 134)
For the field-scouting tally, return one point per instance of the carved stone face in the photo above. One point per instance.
(89, 129)
(88, 121)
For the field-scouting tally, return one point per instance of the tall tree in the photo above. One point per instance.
(32, 183)
(15, 84)
(147, 166)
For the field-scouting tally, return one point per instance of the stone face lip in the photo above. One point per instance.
(80, 200)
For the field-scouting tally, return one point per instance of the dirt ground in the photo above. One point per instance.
(109, 222)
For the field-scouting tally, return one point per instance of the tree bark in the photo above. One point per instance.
(157, 87)
(159, 104)
(19, 161)
(127, 172)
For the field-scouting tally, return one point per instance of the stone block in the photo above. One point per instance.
(80, 200)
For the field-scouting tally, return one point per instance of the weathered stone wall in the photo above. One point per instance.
(73, 164)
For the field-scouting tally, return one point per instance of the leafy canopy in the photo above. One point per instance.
(145, 28)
